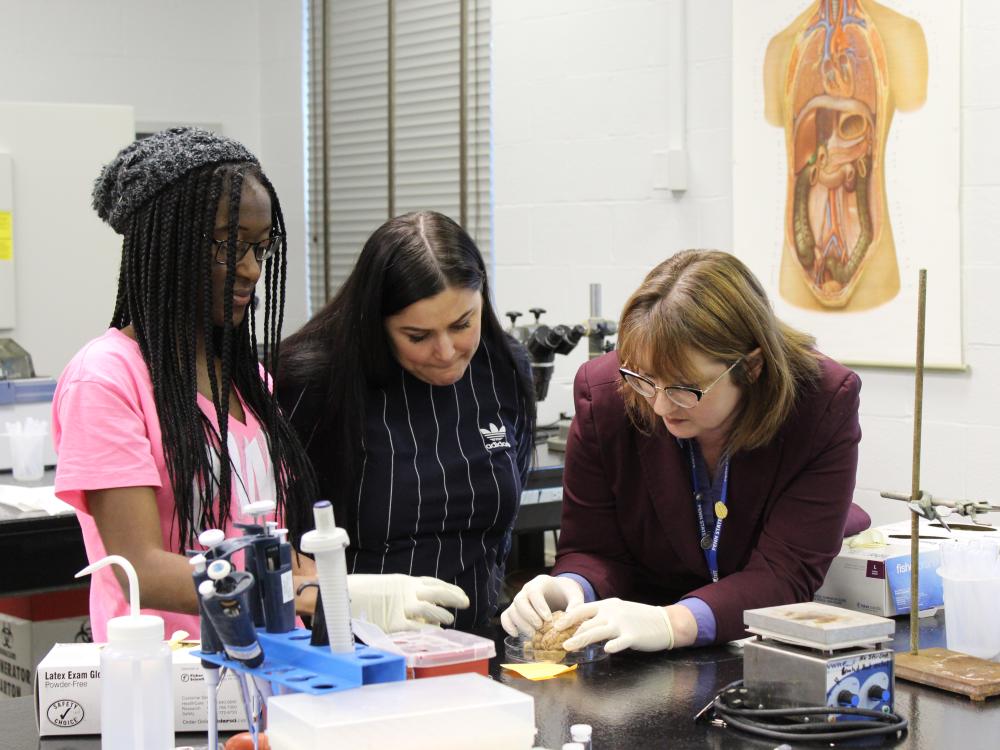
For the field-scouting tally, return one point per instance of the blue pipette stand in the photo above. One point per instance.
(290, 663)
(296, 666)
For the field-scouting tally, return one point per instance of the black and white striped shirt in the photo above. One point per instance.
(440, 480)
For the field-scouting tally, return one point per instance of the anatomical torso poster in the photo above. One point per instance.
(846, 170)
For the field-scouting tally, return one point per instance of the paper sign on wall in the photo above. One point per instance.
(7, 301)
(6, 236)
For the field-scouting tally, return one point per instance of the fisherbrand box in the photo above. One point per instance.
(68, 693)
(876, 580)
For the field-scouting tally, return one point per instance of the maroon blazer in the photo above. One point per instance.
(629, 524)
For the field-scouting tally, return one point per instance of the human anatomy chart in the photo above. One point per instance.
(840, 114)
(829, 83)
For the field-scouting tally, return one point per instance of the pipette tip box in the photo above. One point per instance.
(454, 712)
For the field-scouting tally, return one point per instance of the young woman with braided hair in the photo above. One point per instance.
(145, 415)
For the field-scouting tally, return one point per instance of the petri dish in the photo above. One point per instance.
(518, 650)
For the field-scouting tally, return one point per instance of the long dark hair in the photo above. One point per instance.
(345, 348)
(165, 294)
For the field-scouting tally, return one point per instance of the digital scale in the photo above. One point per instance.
(811, 654)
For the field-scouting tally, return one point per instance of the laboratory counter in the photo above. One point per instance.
(46, 551)
(635, 701)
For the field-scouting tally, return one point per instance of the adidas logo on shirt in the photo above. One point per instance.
(495, 437)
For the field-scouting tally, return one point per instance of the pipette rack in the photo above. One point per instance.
(296, 666)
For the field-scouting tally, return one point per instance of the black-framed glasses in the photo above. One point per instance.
(685, 396)
(262, 250)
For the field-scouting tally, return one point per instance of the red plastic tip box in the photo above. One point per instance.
(434, 652)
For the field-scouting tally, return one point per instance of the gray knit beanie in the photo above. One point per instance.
(146, 166)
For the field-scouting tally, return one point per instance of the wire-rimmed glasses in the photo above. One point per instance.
(685, 396)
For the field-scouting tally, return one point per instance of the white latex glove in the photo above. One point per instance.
(395, 601)
(536, 601)
(623, 624)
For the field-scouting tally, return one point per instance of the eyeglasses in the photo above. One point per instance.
(685, 396)
(261, 250)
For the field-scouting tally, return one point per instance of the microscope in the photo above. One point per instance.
(543, 344)
(597, 330)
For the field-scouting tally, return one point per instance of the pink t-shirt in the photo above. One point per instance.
(107, 434)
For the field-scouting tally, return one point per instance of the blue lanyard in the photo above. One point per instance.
(710, 545)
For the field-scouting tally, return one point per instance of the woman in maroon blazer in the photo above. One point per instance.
(709, 468)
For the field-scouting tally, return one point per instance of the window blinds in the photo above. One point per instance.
(351, 183)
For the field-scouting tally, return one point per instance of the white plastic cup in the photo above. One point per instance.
(971, 614)
(26, 454)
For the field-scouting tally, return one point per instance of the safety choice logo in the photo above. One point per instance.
(65, 713)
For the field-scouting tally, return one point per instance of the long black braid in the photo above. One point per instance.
(165, 293)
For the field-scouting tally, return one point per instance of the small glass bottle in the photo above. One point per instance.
(581, 733)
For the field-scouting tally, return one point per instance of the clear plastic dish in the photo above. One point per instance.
(518, 650)
(434, 647)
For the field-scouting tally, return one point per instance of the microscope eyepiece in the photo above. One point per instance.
(543, 342)
(570, 338)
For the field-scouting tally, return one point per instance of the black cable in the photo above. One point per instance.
(782, 723)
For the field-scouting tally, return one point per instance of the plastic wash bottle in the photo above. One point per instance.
(137, 704)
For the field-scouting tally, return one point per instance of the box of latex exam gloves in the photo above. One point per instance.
(872, 572)
(68, 693)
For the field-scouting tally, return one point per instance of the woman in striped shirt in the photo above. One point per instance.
(417, 412)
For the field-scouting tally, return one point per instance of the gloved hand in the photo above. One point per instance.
(623, 624)
(536, 600)
(395, 601)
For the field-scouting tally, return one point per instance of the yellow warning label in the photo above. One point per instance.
(6, 236)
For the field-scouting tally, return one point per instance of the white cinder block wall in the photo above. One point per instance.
(234, 63)
(581, 103)
(282, 139)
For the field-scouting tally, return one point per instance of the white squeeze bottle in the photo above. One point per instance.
(137, 703)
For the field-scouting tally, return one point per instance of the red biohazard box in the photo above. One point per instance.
(434, 652)
(30, 626)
